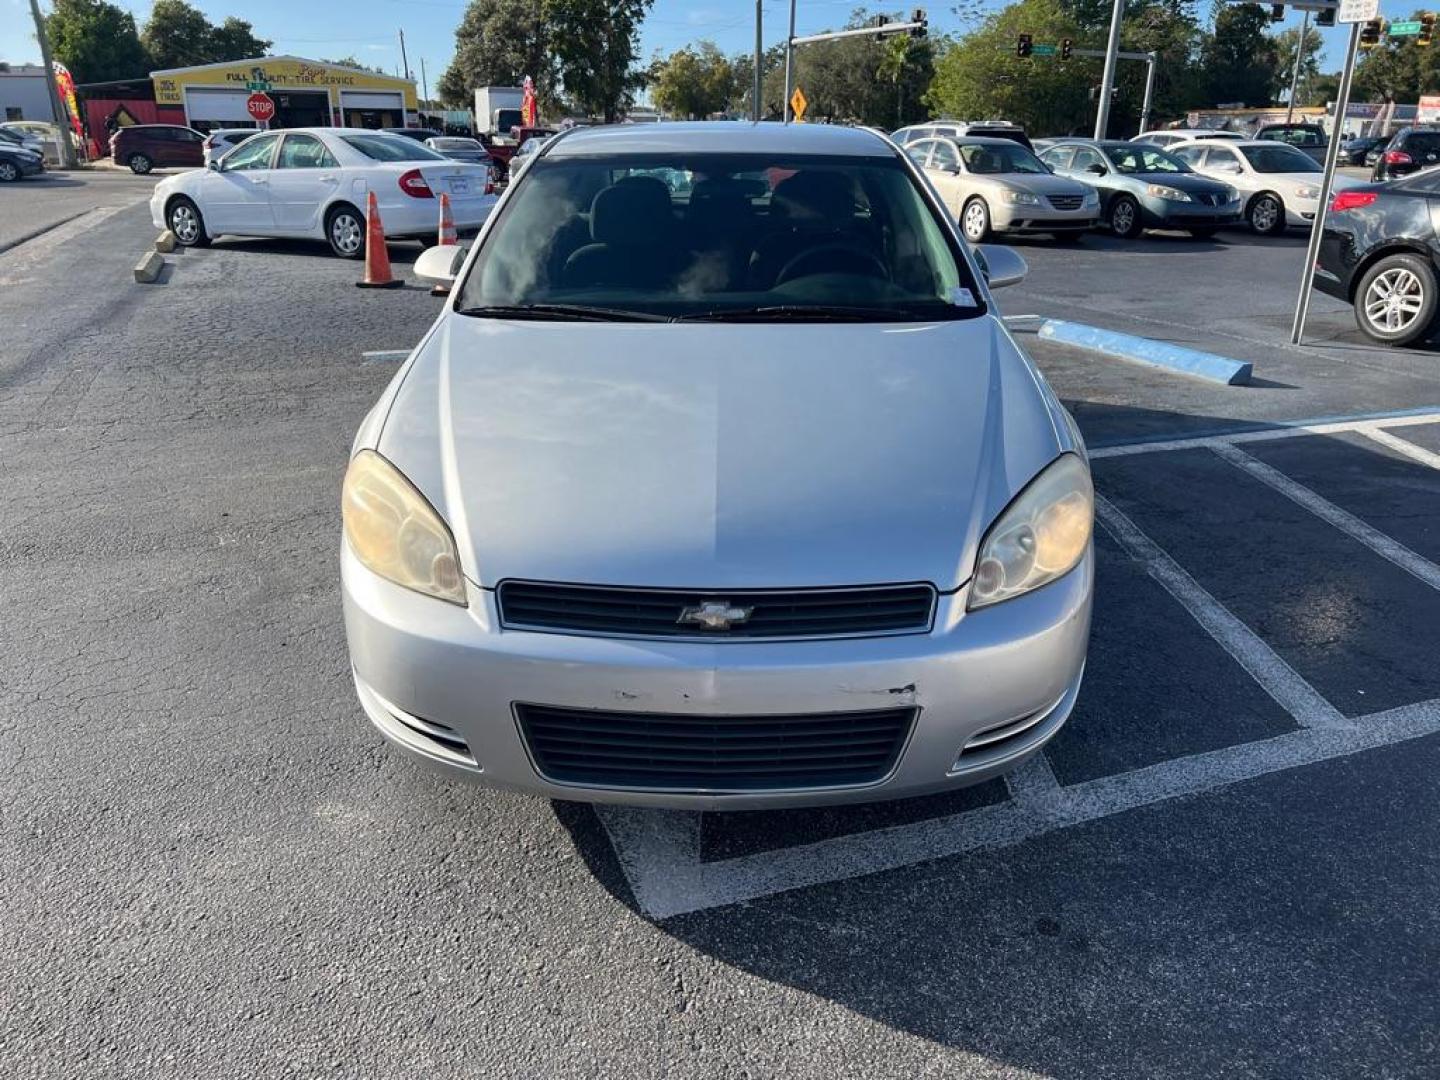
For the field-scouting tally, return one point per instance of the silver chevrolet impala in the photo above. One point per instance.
(718, 483)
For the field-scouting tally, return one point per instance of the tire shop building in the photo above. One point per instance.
(307, 93)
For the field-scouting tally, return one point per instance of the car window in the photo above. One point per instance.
(1189, 154)
(251, 154)
(185, 135)
(1222, 159)
(1279, 159)
(1057, 157)
(995, 160)
(379, 147)
(1144, 159)
(1085, 156)
(1422, 142)
(305, 152)
(455, 144)
(752, 231)
(944, 156)
(918, 152)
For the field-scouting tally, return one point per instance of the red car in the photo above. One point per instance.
(148, 146)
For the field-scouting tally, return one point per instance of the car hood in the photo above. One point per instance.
(720, 455)
(1036, 184)
(1182, 181)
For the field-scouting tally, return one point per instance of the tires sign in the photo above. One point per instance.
(260, 106)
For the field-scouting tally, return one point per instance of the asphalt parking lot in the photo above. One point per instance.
(1226, 864)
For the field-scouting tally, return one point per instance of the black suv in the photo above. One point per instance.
(1409, 150)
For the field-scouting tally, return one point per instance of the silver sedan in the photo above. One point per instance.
(718, 483)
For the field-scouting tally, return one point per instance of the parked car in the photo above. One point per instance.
(1379, 253)
(416, 133)
(1409, 150)
(1278, 184)
(147, 146)
(23, 140)
(17, 162)
(47, 137)
(1309, 139)
(1168, 137)
(585, 577)
(954, 129)
(525, 153)
(1143, 187)
(995, 185)
(458, 148)
(221, 140)
(1356, 151)
(312, 182)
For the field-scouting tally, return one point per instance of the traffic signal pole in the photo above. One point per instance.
(759, 60)
(1295, 73)
(1107, 80)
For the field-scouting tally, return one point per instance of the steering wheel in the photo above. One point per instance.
(861, 262)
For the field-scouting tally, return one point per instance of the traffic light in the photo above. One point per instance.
(1325, 17)
(1065, 46)
(1427, 28)
(1022, 46)
(918, 16)
(880, 20)
(1370, 33)
(1277, 12)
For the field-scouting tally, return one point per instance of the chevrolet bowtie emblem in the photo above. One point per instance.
(714, 615)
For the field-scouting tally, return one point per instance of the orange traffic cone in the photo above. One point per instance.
(377, 256)
(447, 222)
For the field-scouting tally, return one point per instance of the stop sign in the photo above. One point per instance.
(260, 106)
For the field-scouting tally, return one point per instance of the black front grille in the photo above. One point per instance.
(587, 609)
(675, 752)
(1066, 202)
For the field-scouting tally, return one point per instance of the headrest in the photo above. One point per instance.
(634, 211)
(810, 198)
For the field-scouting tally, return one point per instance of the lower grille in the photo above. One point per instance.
(629, 612)
(734, 754)
(1066, 202)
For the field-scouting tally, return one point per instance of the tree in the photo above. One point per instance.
(1240, 59)
(1398, 70)
(97, 41)
(234, 39)
(176, 35)
(498, 43)
(596, 44)
(693, 83)
(981, 77)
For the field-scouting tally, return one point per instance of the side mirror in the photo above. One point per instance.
(440, 265)
(1097, 169)
(1001, 266)
(213, 164)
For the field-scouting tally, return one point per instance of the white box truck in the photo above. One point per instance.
(497, 110)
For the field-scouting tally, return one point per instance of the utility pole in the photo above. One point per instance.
(63, 146)
(404, 63)
(1149, 91)
(789, 60)
(759, 60)
(424, 83)
(1295, 73)
(1107, 80)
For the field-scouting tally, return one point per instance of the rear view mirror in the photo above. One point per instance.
(440, 265)
(1001, 266)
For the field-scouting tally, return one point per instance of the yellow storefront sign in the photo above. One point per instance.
(280, 73)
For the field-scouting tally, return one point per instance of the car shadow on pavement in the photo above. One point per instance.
(402, 252)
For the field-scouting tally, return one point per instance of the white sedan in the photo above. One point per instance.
(313, 183)
(1279, 184)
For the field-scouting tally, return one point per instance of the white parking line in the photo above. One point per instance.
(1403, 446)
(1378, 542)
(659, 851)
(1279, 679)
(1291, 429)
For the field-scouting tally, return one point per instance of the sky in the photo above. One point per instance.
(368, 29)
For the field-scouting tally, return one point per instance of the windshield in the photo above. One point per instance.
(722, 236)
(1279, 159)
(984, 159)
(1138, 158)
(391, 148)
(456, 144)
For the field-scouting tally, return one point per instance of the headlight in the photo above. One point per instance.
(1307, 193)
(1091, 198)
(1232, 195)
(396, 533)
(1021, 198)
(1163, 191)
(1041, 535)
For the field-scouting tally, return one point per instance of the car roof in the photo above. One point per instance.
(720, 137)
(980, 140)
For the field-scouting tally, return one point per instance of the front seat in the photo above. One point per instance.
(807, 210)
(633, 239)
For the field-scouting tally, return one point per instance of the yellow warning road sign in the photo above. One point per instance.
(797, 104)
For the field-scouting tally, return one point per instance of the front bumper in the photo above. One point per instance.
(1159, 213)
(1017, 218)
(421, 663)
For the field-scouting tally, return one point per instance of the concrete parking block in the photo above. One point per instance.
(165, 242)
(149, 267)
(1157, 354)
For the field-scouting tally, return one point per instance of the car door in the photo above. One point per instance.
(943, 168)
(188, 148)
(304, 180)
(1223, 164)
(235, 197)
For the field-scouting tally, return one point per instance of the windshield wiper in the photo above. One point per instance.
(572, 312)
(804, 313)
